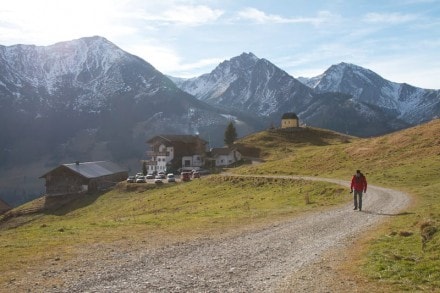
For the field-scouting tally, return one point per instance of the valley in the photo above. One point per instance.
(268, 224)
(89, 100)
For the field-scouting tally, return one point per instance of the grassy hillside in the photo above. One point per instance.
(408, 160)
(275, 144)
(403, 254)
(149, 214)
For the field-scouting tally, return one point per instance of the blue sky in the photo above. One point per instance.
(400, 40)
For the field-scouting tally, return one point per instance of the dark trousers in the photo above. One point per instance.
(357, 197)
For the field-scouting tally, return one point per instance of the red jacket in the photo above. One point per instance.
(359, 183)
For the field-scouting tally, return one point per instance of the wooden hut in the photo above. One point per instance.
(83, 177)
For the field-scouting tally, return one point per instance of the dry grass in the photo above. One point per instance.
(405, 257)
(212, 205)
(391, 258)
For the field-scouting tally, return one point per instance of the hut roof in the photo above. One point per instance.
(221, 151)
(4, 206)
(290, 115)
(178, 138)
(91, 169)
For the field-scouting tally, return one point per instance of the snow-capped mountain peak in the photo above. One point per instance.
(410, 104)
(249, 84)
(91, 65)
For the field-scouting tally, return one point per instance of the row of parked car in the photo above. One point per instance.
(170, 177)
(140, 178)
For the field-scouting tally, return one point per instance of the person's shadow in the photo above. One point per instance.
(387, 214)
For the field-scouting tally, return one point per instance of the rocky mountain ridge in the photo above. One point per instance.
(250, 84)
(88, 100)
(410, 104)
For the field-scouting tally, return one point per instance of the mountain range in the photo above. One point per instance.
(87, 100)
(346, 97)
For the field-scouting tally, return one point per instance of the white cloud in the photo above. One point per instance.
(202, 63)
(48, 21)
(390, 18)
(168, 61)
(185, 15)
(259, 16)
(396, 70)
(161, 57)
(197, 68)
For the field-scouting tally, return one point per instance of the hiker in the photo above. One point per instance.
(358, 185)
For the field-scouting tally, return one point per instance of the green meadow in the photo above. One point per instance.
(404, 253)
(400, 255)
(212, 205)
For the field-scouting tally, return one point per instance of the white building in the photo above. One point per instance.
(225, 156)
(189, 162)
(174, 152)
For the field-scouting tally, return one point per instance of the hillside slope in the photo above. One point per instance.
(406, 160)
(378, 156)
(276, 143)
(404, 253)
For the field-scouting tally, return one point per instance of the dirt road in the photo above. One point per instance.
(261, 260)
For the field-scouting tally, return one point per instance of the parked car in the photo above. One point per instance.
(158, 181)
(161, 175)
(185, 176)
(131, 179)
(141, 179)
(196, 174)
(149, 176)
(139, 175)
(171, 178)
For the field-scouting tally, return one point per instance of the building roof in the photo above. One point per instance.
(221, 151)
(4, 206)
(178, 138)
(290, 115)
(91, 169)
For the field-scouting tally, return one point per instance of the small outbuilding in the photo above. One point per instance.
(225, 156)
(83, 177)
(289, 120)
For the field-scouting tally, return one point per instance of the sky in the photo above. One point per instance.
(398, 39)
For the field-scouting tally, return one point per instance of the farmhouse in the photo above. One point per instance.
(225, 156)
(171, 152)
(289, 120)
(83, 177)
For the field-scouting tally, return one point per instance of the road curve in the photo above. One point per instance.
(253, 261)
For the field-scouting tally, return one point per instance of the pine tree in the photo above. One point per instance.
(144, 168)
(230, 134)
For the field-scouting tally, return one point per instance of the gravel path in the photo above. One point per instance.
(261, 260)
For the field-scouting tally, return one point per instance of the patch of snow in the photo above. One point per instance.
(229, 117)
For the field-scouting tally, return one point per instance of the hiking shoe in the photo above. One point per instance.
(360, 209)
(355, 208)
